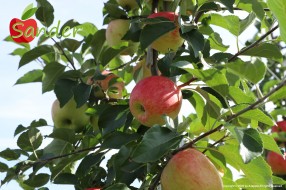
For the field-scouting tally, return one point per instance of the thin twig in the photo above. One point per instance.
(253, 44)
(63, 52)
(188, 82)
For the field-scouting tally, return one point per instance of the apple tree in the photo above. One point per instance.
(208, 127)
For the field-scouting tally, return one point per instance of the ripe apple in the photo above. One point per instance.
(277, 163)
(23, 31)
(280, 129)
(109, 86)
(154, 97)
(171, 40)
(128, 4)
(69, 116)
(192, 170)
(115, 31)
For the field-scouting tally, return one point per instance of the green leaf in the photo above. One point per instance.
(269, 143)
(30, 140)
(116, 139)
(81, 94)
(32, 76)
(56, 148)
(245, 23)
(64, 90)
(266, 50)
(108, 54)
(87, 29)
(97, 42)
(70, 44)
(118, 186)
(52, 72)
(216, 42)
(251, 145)
(212, 77)
(156, 142)
(3, 167)
(151, 32)
(278, 181)
(239, 96)
(37, 180)
(68, 25)
(114, 11)
(229, 22)
(66, 178)
(10, 154)
(28, 12)
(25, 45)
(112, 118)
(252, 6)
(228, 4)
(19, 51)
(65, 134)
(35, 53)
(87, 163)
(278, 95)
(257, 171)
(45, 13)
(254, 72)
(195, 39)
(278, 7)
(254, 114)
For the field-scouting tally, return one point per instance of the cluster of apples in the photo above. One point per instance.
(277, 161)
(151, 99)
(118, 28)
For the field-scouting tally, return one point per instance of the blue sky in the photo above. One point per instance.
(20, 104)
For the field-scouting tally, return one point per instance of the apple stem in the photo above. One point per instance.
(188, 82)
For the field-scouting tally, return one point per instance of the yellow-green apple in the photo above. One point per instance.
(69, 116)
(171, 40)
(154, 97)
(190, 170)
(115, 31)
(128, 4)
(109, 86)
(277, 163)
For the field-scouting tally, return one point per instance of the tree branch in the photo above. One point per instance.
(190, 144)
(253, 44)
(63, 52)
(188, 82)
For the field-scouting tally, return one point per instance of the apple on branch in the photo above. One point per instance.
(277, 163)
(190, 170)
(171, 40)
(110, 86)
(69, 116)
(154, 97)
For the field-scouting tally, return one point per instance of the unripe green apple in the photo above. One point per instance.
(171, 40)
(128, 4)
(277, 163)
(110, 86)
(154, 97)
(190, 170)
(115, 31)
(69, 116)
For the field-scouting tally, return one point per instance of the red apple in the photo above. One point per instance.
(280, 129)
(171, 40)
(190, 170)
(115, 31)
(277, 163)
(154, 97)
(109, 86)
(128, 4)
(23, 31)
